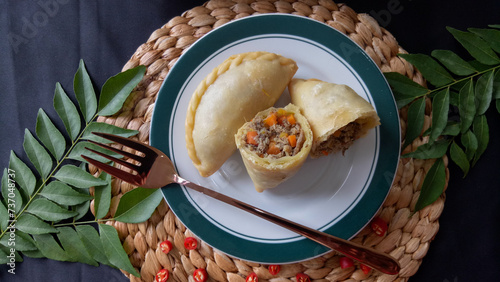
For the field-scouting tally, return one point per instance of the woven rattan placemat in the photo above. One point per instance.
(408, 236)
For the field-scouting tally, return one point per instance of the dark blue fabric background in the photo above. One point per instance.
(41, 43)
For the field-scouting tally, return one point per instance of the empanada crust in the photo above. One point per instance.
(329, 107)
(231, 94)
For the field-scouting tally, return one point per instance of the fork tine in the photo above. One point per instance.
(126, 141)
(118, 173)
(121, 152)
(118, 161)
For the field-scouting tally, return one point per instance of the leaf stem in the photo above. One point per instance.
(472, 76)
(75, 223)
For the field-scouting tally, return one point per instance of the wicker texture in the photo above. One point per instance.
(408, 236)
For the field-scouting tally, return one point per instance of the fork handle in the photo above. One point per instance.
(368, 256)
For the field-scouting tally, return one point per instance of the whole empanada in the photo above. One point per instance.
(230, 95)
(336, 113)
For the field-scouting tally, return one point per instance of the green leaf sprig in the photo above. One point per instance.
(43, 210)
(460, 92)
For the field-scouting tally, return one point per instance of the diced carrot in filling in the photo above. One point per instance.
(292, 139)
(276, 135)
(273, 149)
(271, 120)
(251, 137)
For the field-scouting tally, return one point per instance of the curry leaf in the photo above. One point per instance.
(102, 196)
(4, 252)
(77, 177)
(430, 150)
(114, 250)
(452, 129)
(37, 154)
(49, 247)
(23, 242)
(489, 35)
(138, 205)
(453, 62)
(4, 217)
(477, 47)
(85, 94)
(440, 108)
(83, 208)
(33, 225)
(466, 106)
(469, 141)
(405, 90)
(459, 157)
(34, 254)
(50, 136)
(80, 149)
(416, 114)
(23, 174)
(63, 194)
(11, 192)
(90, 238)
(430, 69)
(433, 185)
(116, 89)
(482, 132)
(73, 245)
(105, 128)
(67, 111)
(484, 92)
(496, 85)
(48, 210)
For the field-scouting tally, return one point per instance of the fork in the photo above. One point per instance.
(156, 170)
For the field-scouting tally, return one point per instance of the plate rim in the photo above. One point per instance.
(317, 250)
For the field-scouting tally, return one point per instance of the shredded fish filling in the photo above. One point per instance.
(341, 140)
(275, 136)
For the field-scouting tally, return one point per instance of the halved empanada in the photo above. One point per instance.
(230, 95)
(336, 113)
(274, 145)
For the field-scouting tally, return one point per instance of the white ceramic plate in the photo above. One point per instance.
(338, 194)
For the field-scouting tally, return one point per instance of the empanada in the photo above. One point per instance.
(230, 95)
(274, 145)
(336, 113)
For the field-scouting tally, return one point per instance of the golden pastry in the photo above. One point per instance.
(230, 95)
(336, 113)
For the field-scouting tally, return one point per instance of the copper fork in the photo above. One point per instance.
(157, 170)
